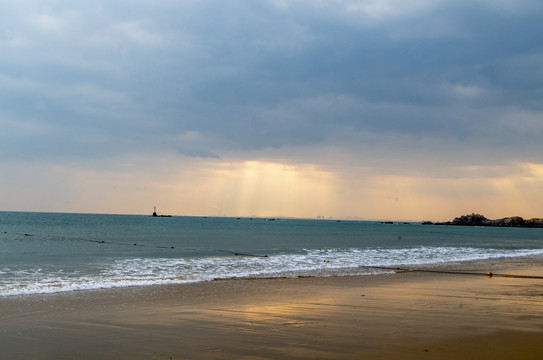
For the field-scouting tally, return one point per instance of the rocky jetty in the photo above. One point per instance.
(481, 220)
(156, 215)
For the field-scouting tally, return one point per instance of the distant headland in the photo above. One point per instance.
(481, 220)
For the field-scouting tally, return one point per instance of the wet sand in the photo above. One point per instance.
(394, 316)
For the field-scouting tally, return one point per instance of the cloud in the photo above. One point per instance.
(412, 89)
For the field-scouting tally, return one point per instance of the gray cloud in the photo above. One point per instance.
(203, 78)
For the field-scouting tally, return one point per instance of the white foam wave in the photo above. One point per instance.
(313, 262)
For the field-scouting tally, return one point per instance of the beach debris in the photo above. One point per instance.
(455, 272)
(249, 278)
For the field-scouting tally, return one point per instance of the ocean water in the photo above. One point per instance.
(48, 252)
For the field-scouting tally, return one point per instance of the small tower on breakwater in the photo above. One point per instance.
(161, 216)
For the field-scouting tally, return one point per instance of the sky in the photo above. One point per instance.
(371, 109)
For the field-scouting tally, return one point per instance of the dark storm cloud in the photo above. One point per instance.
(206, 77)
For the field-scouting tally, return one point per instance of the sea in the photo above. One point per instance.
(44, 253)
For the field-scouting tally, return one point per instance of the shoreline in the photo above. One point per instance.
(496, 266)
(404, 315)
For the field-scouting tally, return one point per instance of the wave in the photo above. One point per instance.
(306, 263)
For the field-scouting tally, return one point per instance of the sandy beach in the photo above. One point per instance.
(394, 316)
